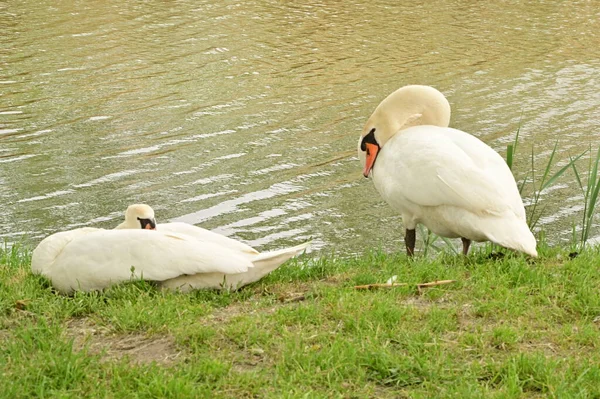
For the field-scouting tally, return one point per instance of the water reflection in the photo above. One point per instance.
(244, 117)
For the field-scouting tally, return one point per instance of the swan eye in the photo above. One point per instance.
(369, 138)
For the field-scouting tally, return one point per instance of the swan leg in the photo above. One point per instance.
(466, 243)
(410, 238)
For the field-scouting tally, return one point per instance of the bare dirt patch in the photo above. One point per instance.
(138, 348)
(286, 295)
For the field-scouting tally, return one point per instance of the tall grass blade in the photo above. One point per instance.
(535, 218)
(595, 184)
(523, 182)
(534, 201)
(546, 181)
(518, 132)
(562, 170)
(591, 199)
(511, 149)
(591, 192)
(509, 155)
(548, 165)
(450, 245)
(577, 176)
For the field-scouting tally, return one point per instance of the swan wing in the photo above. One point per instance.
(444, 166)
(264, 263)
(206, 235)
(50, 248)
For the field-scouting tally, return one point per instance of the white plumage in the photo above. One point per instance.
(446, 179)
(89, 259)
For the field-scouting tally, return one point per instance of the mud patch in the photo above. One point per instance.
(137, 348)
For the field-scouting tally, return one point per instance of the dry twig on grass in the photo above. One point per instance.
(433, 284)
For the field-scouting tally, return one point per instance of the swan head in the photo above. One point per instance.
(408, 106)
(139, 216)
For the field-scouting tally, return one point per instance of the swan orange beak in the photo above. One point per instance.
(372, 151)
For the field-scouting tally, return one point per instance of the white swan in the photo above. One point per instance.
(443, 178)
(88, 259)
(138, 216)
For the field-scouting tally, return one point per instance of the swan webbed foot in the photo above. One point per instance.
(466, 244)
(410, 238)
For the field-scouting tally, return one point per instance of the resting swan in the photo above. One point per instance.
(443, 178)
(264, 263)
(88, 259)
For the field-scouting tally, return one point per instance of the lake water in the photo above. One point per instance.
(243, 117)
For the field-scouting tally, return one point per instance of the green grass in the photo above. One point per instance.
(507, 328)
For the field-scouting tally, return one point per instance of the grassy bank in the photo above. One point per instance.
(506, 328)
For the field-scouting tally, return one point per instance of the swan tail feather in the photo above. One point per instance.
(266, 262)
(515, 235)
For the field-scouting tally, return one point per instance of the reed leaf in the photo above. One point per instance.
(511, 149)
(546, 181)
(590, 194)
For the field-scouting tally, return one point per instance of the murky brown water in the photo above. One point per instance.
(243, 116)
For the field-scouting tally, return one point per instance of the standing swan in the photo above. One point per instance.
(443, 178)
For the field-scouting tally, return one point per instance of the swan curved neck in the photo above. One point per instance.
(406, 107)
(127, 224)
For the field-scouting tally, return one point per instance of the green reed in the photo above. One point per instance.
(534, 211)
(590, 194)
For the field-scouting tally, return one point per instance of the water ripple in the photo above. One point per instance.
(245, 117)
